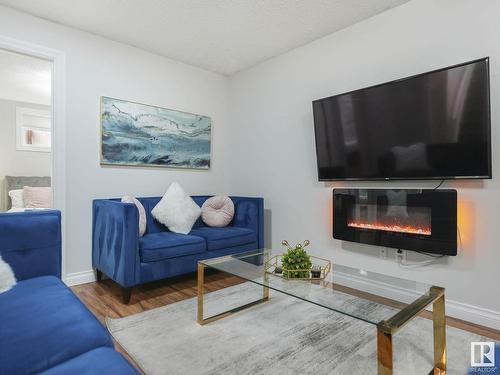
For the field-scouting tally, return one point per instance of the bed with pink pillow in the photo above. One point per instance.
(28, 193)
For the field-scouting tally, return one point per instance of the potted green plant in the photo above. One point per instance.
(296, 263)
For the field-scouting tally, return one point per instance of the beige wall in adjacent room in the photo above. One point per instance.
(12, 161)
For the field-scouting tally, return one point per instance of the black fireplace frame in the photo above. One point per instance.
(443, 205)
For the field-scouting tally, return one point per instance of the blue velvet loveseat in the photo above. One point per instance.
(44, 328)
(130, 260)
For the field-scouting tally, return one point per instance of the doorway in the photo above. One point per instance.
(57, 59)
(25, 132)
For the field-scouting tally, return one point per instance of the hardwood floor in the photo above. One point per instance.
(104, 298)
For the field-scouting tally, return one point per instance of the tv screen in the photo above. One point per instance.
(434, 125)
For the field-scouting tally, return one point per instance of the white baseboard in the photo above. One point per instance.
(78, 278)
(474, 314)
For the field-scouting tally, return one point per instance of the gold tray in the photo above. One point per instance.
(324, 264)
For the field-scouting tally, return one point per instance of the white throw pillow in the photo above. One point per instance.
(176, 210)
(16, 197)
(7, 278)
(142, 212)
(217, 211)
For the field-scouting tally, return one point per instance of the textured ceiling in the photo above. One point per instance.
(24, 78)
(223, 36)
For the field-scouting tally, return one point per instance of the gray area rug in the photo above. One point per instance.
(282, 336)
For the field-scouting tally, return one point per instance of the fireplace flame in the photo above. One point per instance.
(391, 228)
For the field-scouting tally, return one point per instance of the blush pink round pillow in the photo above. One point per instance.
(217, 211)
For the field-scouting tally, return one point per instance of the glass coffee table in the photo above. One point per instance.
(411, 299)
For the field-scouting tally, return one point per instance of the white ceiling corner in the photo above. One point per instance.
(223, 36)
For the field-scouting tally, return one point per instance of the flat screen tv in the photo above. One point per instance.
(434, 125)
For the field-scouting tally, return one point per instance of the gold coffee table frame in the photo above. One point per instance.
(201, 287)
(385, 329)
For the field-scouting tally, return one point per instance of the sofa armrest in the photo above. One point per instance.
(30, 242)
(115, 240)
(249, 213)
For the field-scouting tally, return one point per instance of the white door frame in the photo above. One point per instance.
(58, 59)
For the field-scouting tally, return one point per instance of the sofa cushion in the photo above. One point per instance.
(98, 361)
(43, 324)
(220, 238)
(164, 245)
(30, 242)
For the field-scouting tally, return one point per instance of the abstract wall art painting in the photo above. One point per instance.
(136, 134)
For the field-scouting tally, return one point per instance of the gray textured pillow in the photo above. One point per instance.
(142, 212)
(217, 211)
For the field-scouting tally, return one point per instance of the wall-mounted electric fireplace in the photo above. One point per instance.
(410, 219)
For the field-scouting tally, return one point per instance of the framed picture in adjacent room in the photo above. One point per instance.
(134, 134)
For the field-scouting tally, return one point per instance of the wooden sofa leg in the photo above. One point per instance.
(126, 293)
(98, 275)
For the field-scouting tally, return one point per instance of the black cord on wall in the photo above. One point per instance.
(437, 187)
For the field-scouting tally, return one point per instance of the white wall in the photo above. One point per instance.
(12, 161)
(263, 136)
(274, 154)
(96, 66)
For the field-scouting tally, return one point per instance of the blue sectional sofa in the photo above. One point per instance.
(130, 260)
(44, 328)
